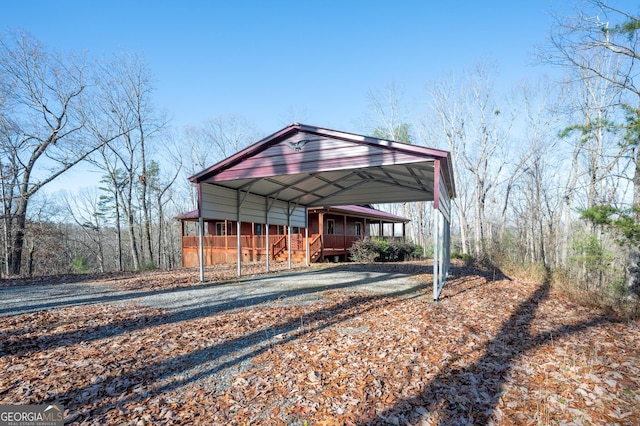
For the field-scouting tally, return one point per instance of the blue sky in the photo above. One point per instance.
(264, 59)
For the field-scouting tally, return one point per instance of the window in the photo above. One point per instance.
(220, 229)
(359, 229)
(280, 230)
(295, 229)
(258, 229)
(331, 226)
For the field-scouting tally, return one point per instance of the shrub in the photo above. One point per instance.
(465, 257)
(364, 250)
(378, 249)
(591, 262)
(79, 265)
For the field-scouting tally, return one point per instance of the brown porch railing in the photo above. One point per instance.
(339, 242)
(229, 241)
(279, 243)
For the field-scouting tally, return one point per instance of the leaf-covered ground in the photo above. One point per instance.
(492, 351)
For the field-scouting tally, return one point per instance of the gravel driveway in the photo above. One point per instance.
(300, 286)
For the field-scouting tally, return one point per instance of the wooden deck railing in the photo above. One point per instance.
(278, 242)
(230, 241)
(339, 242)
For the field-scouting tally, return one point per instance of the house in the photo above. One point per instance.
(331, 232)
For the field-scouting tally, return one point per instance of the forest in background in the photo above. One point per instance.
(547, 175)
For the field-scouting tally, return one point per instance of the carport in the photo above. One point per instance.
(276, 180)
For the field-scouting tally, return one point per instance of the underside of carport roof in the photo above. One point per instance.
(275, 180)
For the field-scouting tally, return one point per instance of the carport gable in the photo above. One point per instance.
(313, 167)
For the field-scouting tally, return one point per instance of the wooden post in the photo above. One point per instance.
(344, 232)
(321, 230)
(306, 244)
(226, 237)
(182, 240)
(252, 249)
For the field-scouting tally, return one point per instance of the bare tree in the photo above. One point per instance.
(604, 31)
(84, 210)
(228, 135)
(448, 111)
(42, 127)
(214, 140)
(489, 128)
(124, 87)
(135, 78)
(390, 119)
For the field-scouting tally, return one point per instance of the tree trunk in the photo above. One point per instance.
(17, 244)
(118, 229)
(133, 242)
(633, 284)
(478, 221)
(32, 250)
(145, 204)
(462, 220)
(161, 253)
(6, 238)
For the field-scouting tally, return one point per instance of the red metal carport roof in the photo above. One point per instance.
(317, 167)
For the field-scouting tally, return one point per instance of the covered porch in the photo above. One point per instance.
(331, 233)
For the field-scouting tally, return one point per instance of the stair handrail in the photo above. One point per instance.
(315, 247)
(279, 246)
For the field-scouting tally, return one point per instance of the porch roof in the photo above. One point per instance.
(364, 211)
(358, 211)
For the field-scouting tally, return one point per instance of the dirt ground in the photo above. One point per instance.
(339, 344)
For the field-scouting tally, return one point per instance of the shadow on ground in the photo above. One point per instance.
(484, 378)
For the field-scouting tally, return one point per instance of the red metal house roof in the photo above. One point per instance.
(364, 211)
(361, 211)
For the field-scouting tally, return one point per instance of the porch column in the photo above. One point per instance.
(226, 237)
(182, 240)
(306, 242)
(252, 246)
(344, 232)
(321, 231)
